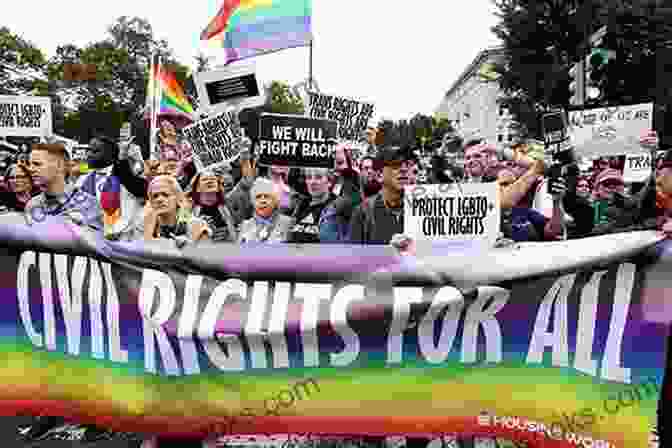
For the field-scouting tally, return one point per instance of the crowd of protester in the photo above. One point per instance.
(358, 201)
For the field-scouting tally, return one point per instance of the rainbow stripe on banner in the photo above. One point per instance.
(248, 28)
(260, 344)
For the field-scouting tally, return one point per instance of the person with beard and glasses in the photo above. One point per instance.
(209, 204)
(112, 180)
(315, 219)
(267, 224)
(479, 162)
(378, 219)
(371, 179)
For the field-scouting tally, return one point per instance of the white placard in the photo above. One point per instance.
(457, 212)
(25, 116)
(229, 88)
(637, 168)
(215, 140)
(610, 131)
(352, 115)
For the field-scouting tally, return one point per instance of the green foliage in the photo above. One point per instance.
(20, 63)
(418, 132)
(282, 100)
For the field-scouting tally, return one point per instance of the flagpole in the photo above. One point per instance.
(310, 65)
(155, 93)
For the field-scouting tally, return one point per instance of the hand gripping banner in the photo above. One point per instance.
(555, 344)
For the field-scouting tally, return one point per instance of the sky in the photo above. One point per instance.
(402, 59)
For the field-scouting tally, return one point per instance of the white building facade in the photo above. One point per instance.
(471, 102)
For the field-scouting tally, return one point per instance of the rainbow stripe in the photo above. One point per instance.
(174, 102)
(248, 28)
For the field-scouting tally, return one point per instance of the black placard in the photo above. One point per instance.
(296, 141)
(239, 87)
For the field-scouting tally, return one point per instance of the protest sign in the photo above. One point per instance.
(25, 116)
(296, 141)
(225, 336)
(353, 116)
(637, 167)
(229, 88)
(215, 140)
(453, 212)
(610, 131)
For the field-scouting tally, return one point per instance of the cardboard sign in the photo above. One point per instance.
(215, 140)
(228, 88)
(453, 212)
(637, 168)
(353, 116)
(297, 141)
(25, 116)
(610, 131)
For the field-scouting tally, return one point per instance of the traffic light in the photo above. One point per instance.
(596, 65)
(577, 85)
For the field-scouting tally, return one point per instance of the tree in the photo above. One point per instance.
(21, 64)
(544, 38)
(282, 100)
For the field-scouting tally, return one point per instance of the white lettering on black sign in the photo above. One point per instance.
(296, 141)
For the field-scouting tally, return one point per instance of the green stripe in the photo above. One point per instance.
(285, 8)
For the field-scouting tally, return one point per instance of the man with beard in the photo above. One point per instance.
(315, 218)
(113, 182)
(378, 219)
(479, 162)
(371, 178)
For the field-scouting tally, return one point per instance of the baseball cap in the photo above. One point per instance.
(392, 154)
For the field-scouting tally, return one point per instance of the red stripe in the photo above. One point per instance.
(183, 426)
(221, 20)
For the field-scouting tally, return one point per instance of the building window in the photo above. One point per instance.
(500, 137)
(510, 137)
(502, 110)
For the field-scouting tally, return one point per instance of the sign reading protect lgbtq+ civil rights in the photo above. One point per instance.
(25, 116)
(297, 141)
(215, 140)
(352, 116)
(468, 212)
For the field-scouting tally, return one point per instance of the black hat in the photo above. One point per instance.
(393, 154)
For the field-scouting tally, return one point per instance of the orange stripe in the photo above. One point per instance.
(221, 20)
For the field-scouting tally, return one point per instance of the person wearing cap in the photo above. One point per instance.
(378, 219)
(267, 224)
(112, 180)
(48, 169)
(617, 212)
(209, 203)
(165, 217)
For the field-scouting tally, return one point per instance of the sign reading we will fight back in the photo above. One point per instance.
(297, 141)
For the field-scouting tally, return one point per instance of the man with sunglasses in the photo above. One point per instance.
(379, 218)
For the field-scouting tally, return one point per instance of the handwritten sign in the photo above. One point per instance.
(25, 116)
(637, 167)
(610, 131)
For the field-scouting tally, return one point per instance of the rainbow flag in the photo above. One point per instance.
(173, 103)
(248, 28)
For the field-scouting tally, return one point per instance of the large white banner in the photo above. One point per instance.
(25, 116)
(610, 131)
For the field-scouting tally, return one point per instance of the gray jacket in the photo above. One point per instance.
(255, 230)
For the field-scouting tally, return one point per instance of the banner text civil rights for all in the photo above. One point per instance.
(565, 334)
